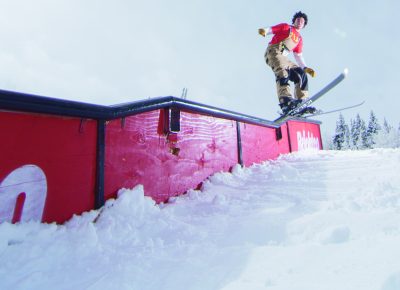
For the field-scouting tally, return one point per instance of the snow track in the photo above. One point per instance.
(316, 220)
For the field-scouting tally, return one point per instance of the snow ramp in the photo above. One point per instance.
(323, 220)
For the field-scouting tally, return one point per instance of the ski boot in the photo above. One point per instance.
(287, 104)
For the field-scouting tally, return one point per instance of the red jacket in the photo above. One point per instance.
(289, 35)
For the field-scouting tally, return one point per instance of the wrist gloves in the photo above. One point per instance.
(309, 71)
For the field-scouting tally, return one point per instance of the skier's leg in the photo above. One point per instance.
(299, 77)
(282, 85)
(279, 65)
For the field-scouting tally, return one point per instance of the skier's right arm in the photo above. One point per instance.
(282, 27)
(264, 31)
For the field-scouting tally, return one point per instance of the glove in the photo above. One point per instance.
(309, 71)
(261, 31)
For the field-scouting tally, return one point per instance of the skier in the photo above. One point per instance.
(287, 39)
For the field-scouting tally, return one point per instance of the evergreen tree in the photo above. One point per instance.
(347, 137)
(355, 133)
(366, 138)
(339, 139)
(398, 137)
(386, 126)
(373, 125)
(371, 131)
(387, 137)
(352, 128)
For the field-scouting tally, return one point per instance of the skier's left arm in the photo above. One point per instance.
(300, 59)
(298, 56)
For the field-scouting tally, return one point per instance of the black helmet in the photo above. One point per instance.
(298, 15)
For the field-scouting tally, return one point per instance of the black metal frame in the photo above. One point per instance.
(15, 101)
(100, 160)
(239, 144)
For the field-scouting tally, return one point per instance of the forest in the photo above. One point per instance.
(358, 134)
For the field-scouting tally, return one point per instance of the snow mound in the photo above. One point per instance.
(305, 220)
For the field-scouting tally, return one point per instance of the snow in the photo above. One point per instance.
(307, 221)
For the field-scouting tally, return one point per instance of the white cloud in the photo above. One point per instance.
(340, 33)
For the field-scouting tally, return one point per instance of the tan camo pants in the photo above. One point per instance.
(281, 65)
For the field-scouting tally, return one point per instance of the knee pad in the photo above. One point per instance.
(282, 81)
(298, 76)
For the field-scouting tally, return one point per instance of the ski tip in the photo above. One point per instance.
(346, 71)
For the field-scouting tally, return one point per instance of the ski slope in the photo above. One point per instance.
(323, 220)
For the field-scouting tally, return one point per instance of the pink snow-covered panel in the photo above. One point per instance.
(262, 143)
(47, 170)
(304, 136)
(167, 163)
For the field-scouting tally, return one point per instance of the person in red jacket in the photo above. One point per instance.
(286, 38)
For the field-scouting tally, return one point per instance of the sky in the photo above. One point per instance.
(110, 52)
(307, 221)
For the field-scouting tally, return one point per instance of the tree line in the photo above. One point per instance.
(360, 135)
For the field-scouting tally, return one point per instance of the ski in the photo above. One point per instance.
(318, 113)
(296, 112)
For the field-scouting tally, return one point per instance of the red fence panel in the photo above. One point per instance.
(167, 164)
(262, 143)
(304, 135)
(52, 160)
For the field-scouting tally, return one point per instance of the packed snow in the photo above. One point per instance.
(324, 220)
